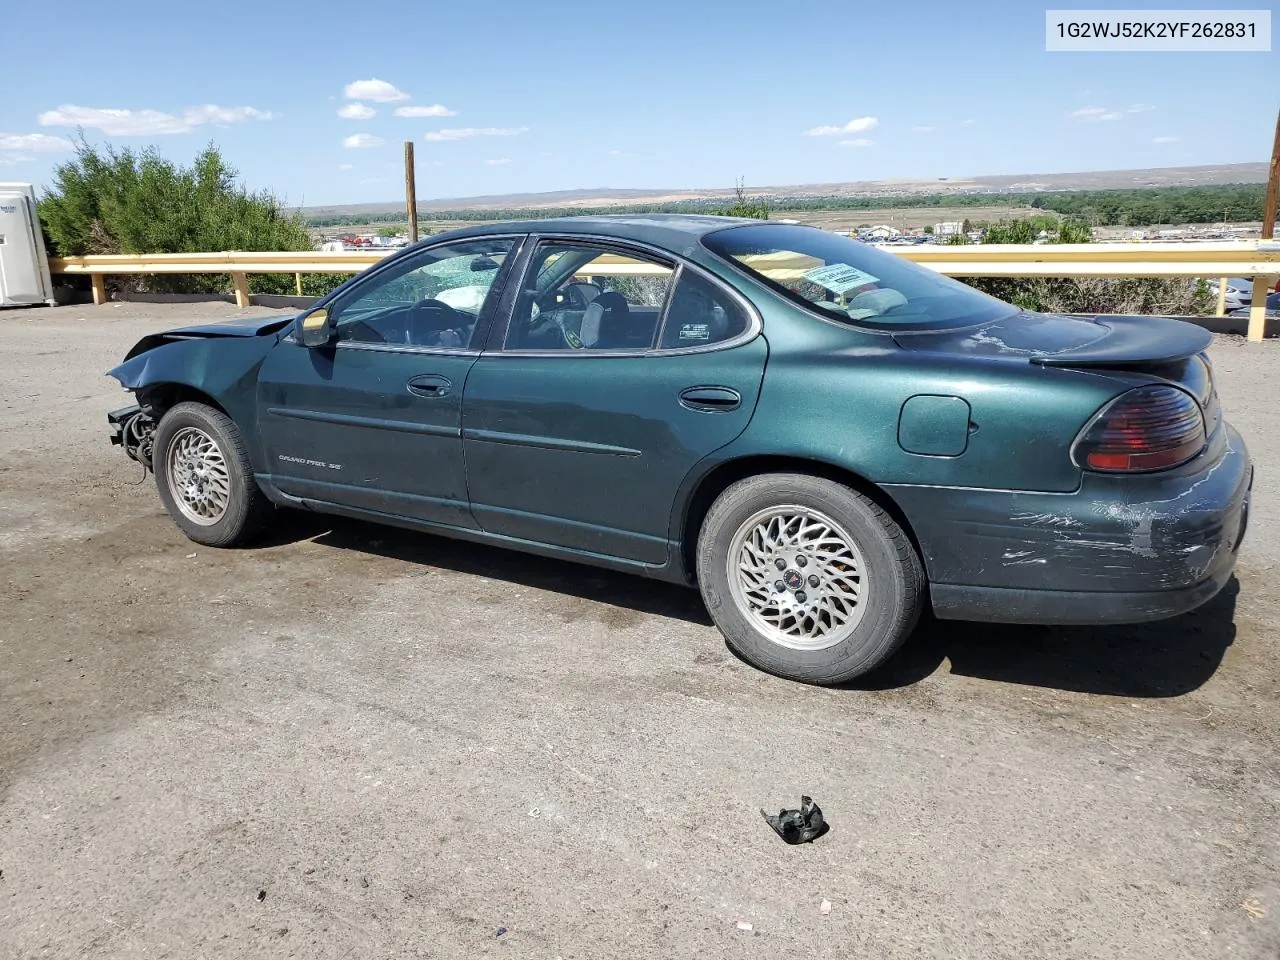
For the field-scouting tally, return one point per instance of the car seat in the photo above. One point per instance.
(606, 323)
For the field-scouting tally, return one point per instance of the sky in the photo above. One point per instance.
(315, 100)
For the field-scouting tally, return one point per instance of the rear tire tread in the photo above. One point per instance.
(897, 575)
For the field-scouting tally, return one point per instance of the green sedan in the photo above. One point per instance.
(822, 437)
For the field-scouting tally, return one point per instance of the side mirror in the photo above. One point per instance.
(315, 328)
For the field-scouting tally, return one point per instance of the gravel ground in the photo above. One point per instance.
(358, 742)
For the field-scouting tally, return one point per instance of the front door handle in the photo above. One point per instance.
(710, 399)
(430, 385)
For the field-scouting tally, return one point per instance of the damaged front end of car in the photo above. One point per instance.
(133, 429)
(211, 363)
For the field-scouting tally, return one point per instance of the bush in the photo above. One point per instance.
(1089, 295)
(109, 200)
(744, 206)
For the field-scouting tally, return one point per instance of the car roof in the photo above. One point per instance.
(676, 232)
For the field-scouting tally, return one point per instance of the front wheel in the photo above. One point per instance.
(205, 477)
(807, 578)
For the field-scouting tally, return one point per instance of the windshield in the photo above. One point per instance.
(842, 279)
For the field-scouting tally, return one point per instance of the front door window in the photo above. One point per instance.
(434, 299)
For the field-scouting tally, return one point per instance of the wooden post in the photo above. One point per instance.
(1222, 297)
(410, 191)
(99, 283)
(1262, 285)
(1269, 211)
(297, 284)
(241, 282)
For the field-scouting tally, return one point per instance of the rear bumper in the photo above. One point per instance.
(1066, 607)
(1117, 550)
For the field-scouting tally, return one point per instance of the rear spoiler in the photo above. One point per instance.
(1135, 341)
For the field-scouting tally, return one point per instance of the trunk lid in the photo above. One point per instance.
(1065, 341)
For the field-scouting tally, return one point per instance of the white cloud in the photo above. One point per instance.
(856, 125)
(969, 123)
(39, 142)
(359, 141)
(435, 110)
(622, 153)
(1093, 114)
(212, 113)
(357, 111)
(147, 123)
(379, 91)
(1165, 139)
(346, 166)
(857, 142)
(499, 162)
(922, 129)
(465, 133)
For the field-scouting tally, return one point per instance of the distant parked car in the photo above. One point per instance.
(1273, 308)
(823, 437)
(1239, 292)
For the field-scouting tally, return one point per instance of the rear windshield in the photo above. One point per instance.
(842, 279)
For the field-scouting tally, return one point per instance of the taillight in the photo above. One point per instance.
(1147, 428)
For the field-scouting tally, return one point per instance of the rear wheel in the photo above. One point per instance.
(807, 578)
(205, 478)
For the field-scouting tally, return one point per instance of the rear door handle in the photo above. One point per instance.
(430, 385)
(710, 399)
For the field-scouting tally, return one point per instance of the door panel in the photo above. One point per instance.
(377, 429)
(587, 452)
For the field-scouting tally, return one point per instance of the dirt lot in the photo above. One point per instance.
(355, 742)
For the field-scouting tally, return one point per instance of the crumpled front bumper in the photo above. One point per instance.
(117, 420)
(1117, 550)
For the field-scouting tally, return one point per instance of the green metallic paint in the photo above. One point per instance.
(595, 458)
(341, 423)
(934, 426)
(587, 452)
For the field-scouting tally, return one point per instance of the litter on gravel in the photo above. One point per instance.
(798, 826)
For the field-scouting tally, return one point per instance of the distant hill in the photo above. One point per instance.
(1011, 183)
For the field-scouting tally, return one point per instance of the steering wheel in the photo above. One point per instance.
(433, 320)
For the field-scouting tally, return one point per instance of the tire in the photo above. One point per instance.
(870, 583)
(222, 506)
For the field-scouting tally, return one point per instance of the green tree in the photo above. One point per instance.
(109, 200)
(1010, 231)
(745, 206)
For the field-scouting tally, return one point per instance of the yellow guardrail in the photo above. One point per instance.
(1239, 258)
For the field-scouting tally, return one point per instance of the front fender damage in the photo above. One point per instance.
(222, 371)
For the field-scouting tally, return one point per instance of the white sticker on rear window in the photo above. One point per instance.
(839, 278)
(695, 331)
